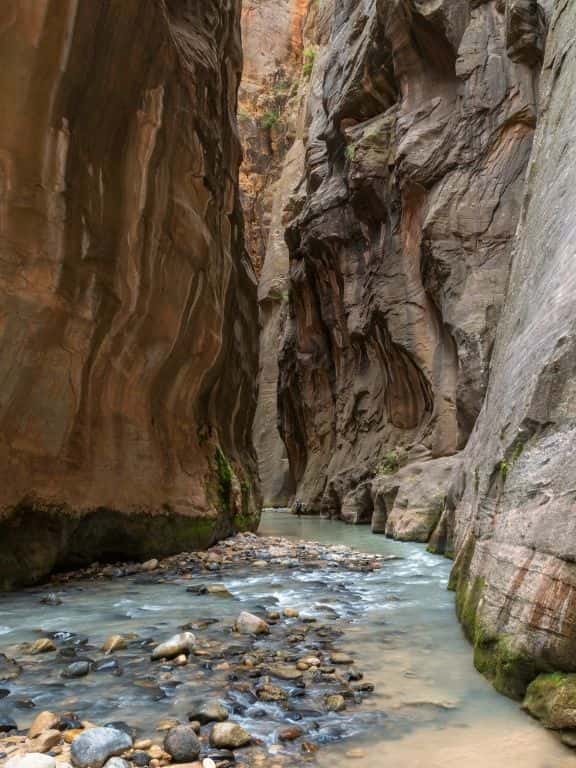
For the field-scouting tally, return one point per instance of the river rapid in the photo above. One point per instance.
(430, 708)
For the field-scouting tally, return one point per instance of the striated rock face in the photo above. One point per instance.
(419, 128)
(274, 85)
(512, 518)
(128, 324)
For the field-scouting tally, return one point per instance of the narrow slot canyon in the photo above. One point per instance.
(286, 392)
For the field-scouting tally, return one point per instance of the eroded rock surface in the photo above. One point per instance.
(277, 39)
(512, 521)
(418, 132)
(128, 328)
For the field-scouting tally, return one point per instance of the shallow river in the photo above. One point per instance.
(430, 707)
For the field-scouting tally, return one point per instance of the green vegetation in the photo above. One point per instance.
(350, 152)
(269, 119)
(309, 59)
(552, 699)
(506, 464)
(391, 462)
(224, 472)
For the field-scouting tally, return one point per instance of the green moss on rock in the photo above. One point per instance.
(551, 698)
(225, 473)
(497, 656)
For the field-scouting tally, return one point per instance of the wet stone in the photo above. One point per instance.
(270, 692)
(182, 744)
(174, 646)
(9, 669)
(7, 723)
(76, 669)
(208, 712)
(229, 735)
(43, 645)
(249, 624)
(116, 762)
(290, 733)
(140, 759)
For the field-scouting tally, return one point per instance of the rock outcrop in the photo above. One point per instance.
(128, 325)
(419, 128)
(511, 521)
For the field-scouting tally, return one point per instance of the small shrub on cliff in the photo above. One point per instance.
(391, 462)
(350, 152)
(309, 58)
(269, 119)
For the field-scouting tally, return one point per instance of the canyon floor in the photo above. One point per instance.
(311, 643)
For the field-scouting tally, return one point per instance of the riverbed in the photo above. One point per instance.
(429, 707)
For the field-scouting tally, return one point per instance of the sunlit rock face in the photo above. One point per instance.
(128, 322)
(512, 522)
(418, 133)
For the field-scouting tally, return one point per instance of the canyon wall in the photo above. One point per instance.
(276, 36)
(128, 323)
(511, 520)
(418, 131)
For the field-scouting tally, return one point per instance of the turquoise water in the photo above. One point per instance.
(430, 707)
(439, 711)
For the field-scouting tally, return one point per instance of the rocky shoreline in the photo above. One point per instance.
(283, 659)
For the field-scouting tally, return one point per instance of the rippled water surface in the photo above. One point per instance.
(430, 707)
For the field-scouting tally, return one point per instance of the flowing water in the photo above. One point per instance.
(430, 707)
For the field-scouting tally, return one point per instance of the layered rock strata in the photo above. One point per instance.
(418, 133)
(128, 352)
(511, 519)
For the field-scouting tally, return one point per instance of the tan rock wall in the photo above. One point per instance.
(128, 347)
(511, 522)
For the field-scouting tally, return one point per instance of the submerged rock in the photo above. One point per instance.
(9, 669)
(7, 723)
(208, 712)
(76, 669)
(176, 645)
(92, 748)
(270, 692)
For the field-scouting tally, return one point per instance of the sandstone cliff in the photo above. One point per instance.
(277, 37)
(511, 519)
(128, 328)
(418, 133)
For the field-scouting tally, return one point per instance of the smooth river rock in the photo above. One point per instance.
(249, 624)
(31, 760)
(92, 748)
(177, 644)
(182, 744)
(229, 736)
